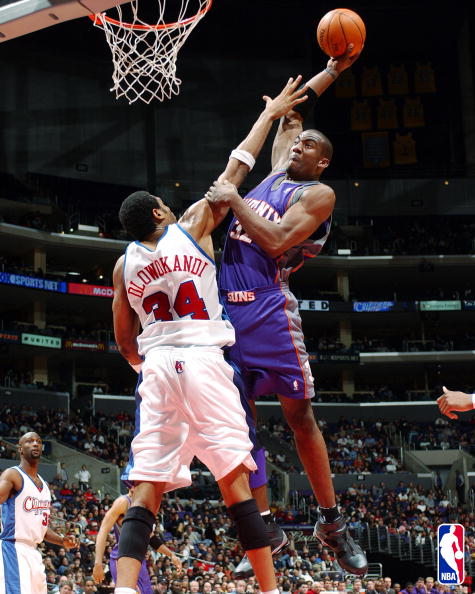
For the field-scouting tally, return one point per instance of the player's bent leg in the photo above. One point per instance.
(278, 540)
(331, 527)
(135, 534)
(250, 525)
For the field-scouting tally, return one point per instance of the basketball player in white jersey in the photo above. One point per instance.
(169, 325)
(26, 502)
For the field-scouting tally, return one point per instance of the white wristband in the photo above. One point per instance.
(473, 400)
(243, 156)
(137, 367)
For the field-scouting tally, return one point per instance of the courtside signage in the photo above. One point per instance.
(32, 282)
(312, 305)
(49, 342)
(453, 305)
(450, 554)
(91, 290)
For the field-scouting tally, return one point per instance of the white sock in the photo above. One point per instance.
(125, 591)
(276, 591)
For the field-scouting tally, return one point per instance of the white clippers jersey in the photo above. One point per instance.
(174, 292)
(25, 517)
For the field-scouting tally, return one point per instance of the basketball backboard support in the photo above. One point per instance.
(25, 16)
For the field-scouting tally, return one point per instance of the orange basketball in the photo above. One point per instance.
(337, 29)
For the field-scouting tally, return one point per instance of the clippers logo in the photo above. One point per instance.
(179, 366)
(32, 504)
(450, 558)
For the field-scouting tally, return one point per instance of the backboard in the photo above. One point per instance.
(25, 16)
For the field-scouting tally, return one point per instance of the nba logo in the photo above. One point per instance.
(179, 366)
(450, 555)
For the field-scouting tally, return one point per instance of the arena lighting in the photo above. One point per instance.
(446, 182)
(177, 184)
(356, 184)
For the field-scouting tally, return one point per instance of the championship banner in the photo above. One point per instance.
(312, 305)
(83, 345)
(6, 336)
(32, 282)
(452, 305)
(49, 342)
(90, 290)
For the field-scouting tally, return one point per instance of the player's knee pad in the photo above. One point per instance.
(135, 534)
(250, 525)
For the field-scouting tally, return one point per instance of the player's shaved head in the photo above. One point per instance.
(323, 141)
(28, 435)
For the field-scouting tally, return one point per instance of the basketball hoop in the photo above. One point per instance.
(144, 55)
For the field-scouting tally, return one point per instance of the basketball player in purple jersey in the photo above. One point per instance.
(113, 520)
(276, 227)
(169, 325)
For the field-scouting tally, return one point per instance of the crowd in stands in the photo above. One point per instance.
(201, 533)
(354, 446)
(364, 344)
(14, 265)
(198, 528)
(411, 235)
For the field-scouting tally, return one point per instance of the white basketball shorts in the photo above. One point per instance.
(21, 569)
(189, 407)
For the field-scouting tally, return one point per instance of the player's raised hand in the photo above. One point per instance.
(343, 62)
(222, 193)
(454, 401)
(290, 96)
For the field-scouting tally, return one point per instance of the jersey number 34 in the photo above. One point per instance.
(187, 303)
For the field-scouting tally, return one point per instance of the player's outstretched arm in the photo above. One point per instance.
(290, 125)
(10, 483)
(202, 217)
(451, 401)
(117, 509)
(157, 544)
(243, 157)
(126, 322)
(298, 223)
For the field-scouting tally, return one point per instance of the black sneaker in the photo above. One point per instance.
(336, 535)
(278, 541)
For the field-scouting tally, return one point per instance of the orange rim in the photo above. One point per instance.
(101, 16)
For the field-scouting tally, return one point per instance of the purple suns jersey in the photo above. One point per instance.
(245, 266)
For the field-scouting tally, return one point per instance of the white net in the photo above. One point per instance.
(144, 55)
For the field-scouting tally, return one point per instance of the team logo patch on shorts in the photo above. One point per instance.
(450, 558)
(241, 296)
(179, 366)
